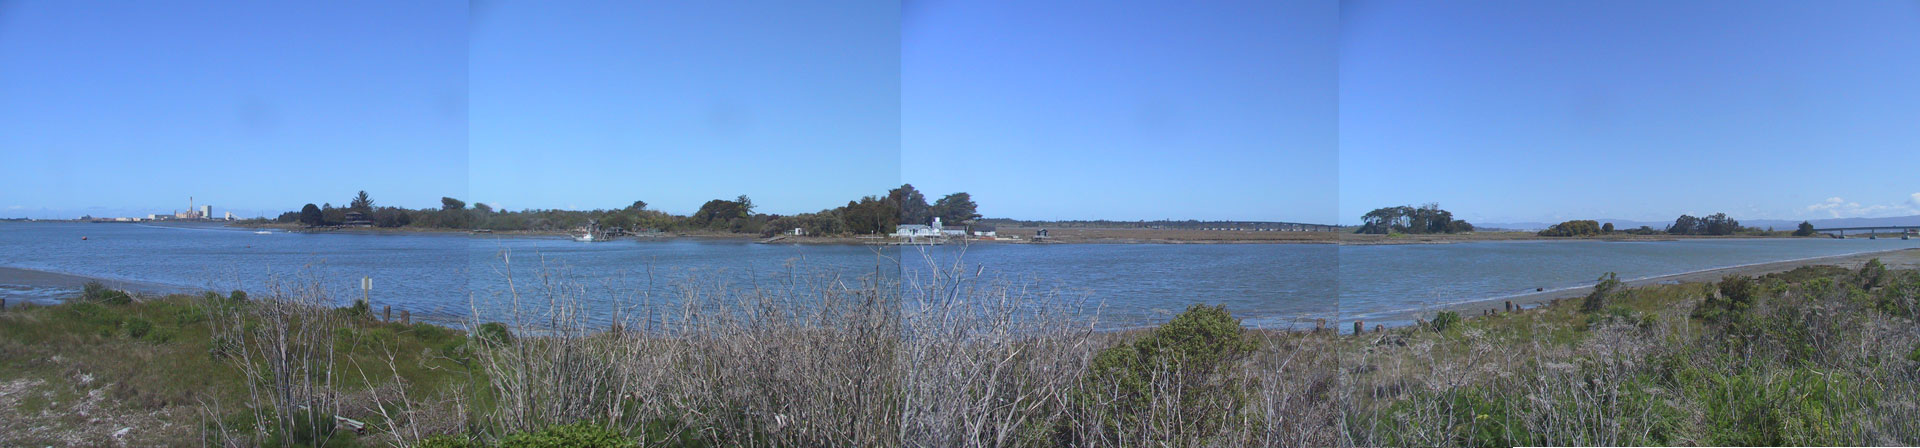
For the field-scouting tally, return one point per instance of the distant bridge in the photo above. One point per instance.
(1841, 232)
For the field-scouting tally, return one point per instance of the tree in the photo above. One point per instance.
(1585, 227)
(1429, 218)
(1806, 229)
(310, 215)
(482, 207)
(956, 208)
(452, 204)
(870, 215)
(1606, 228)
(361, 203)
(911, 204)
(637, 206)
(721, 213)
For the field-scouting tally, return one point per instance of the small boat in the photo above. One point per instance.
(584, 238)
(262, 232)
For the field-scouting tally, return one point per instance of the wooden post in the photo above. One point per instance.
(406, 318)
(3, 304)
(1319, 325)
(1358, 328)
(386, 313)
(1378, 328)
(1509, 306)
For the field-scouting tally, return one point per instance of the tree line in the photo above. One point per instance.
(1717, 224)
(1429, 218)
(868, 215)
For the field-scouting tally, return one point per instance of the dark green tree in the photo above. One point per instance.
(311, 216)
(361, 203)
(956, 208)
(911, 204)
(1806, 229)
(452, 204)
(1606, 228)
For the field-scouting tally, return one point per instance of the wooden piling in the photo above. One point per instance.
(1358, 328)
(1319, 325)
(406, 318)
(386, 313)
(1509, 306)
(1378, 328)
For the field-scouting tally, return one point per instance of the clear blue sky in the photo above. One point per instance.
(1124, 109)
(121, 108)
(1551, 110)
(1292, 110)
(595, 105)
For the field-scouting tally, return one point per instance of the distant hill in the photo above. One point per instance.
(1777, 224)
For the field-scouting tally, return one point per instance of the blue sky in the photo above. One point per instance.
(1295, 110)
(595, 105)
(1543, 111)
(1124, 110)
(120, 108)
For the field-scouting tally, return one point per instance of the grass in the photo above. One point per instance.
(1813, 356)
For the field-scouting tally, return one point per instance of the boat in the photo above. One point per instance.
(587, 234)
(262, 232)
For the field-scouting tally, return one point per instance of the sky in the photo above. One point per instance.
(1307, 111)
(1124, 110)
(1511, 111)
(130, 108)
(596, 105)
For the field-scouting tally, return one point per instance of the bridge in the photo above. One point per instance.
(1841, 232)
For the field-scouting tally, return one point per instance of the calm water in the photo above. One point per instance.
(1268, 285)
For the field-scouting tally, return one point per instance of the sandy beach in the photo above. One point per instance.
(30, 279)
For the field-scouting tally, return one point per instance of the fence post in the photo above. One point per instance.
(1358, 328)
(406, 318)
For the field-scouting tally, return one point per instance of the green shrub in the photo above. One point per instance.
(237, 296)
(495, 333)
(1603, 292)
(448, 441)
(97, 292)
(138, 328)
(1732, 297)
(1445, 320)
(578, 435)
(1872, 274)
(1190, 357)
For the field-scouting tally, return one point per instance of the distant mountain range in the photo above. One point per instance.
(1777, 224)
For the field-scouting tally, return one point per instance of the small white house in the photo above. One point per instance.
(915, 231)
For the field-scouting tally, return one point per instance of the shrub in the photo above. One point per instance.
(1872, 274)
(237, 296)
(1733, 296)
(1603, 291)
(138, 328)
(577, 435)
(1189, 359)
(1445, 320)
(97, 292)
(448, 441)
(495, 333)
(1577, 228)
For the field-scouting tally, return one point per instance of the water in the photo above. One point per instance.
(448, 275)
(444, 276)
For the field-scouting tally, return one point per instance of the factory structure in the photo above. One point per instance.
(194, 212)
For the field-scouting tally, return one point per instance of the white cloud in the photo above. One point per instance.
(1837, 207)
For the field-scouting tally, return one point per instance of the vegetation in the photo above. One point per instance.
(1715, 224)
(1805, 229)
(1577, 228)
(947, 357)
(870, 215)
(1407, 219)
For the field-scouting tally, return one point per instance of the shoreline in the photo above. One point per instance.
(1904, 258)
(38, 279)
